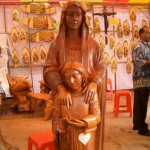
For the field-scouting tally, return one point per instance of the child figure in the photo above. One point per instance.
(75, 127)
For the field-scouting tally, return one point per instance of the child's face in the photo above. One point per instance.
(73, 79)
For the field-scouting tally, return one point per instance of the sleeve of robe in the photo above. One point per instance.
(97, 67)
(56, 116)
(92, 60)
(94, 118)
(51, 69)
(98, 74)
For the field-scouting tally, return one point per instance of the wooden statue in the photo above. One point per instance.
(74, 43)
(43, 87)
(19, 88)
(76, 126)
(5, 145)
(43, 96)
(49, 104)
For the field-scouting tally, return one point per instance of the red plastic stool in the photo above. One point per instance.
(41, 140)
(109, 92)
(117, 106)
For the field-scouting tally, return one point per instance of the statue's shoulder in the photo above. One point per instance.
(93, 42)
(53, 44)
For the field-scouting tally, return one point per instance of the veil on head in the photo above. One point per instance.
(61, 38)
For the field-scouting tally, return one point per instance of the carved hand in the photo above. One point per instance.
(63, 96)
(91, 90)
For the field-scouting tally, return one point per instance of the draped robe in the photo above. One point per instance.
(93, 62)
(69, 134)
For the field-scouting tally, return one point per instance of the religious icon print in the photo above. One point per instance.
(34, 56)
(97, 28)
(135, 33)
(112, 42)
(144, 23)
(25, 56)
(113, 64)
(120, 32)
(126, 28)
(128, 66)
(42, 53)
(107, 59)
(39, 8)
(14, 36)
(22, 35)
(102, 43)
(120, 51)
(43, 35)
(39, 22)
(88, 6)
(132, 13)
(125, 48)
(15, 17)
(131, 45)
(15, 58)
(47, 35)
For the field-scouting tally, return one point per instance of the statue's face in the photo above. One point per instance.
(74, 17)
(73, 79)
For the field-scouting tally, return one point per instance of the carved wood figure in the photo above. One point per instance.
(38, 98)
(43, 89)
(76, 126)
(74, 43)
(44, 96)
(49, 104)
(19, 88)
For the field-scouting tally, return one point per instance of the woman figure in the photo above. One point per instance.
(81, 119)
(74, 43)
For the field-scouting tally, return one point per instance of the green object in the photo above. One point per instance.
(57, 24)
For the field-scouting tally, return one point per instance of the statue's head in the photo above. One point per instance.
(74, 3)
(76, 11)
(74, 74)
(73, 9)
